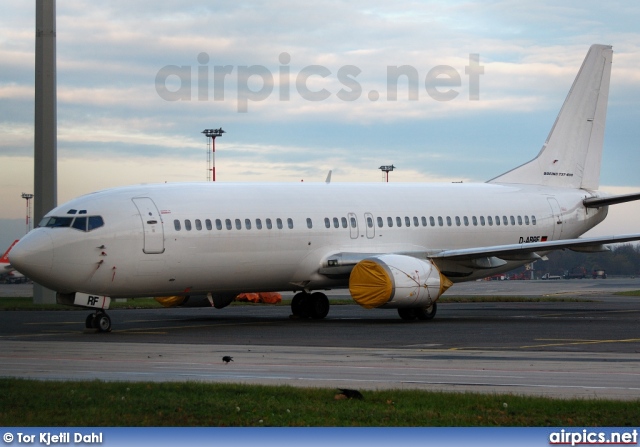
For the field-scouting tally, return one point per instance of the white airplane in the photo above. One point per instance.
(393, 245)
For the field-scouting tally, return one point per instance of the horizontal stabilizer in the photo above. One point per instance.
(597, 202)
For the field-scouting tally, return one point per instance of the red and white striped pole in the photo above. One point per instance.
(213, 133)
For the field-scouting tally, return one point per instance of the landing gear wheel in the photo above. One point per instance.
(88, 323)
(427, 313)
(407, 314)
(318, 305)
(103, 322)
(299, 305)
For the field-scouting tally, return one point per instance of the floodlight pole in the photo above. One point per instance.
(212, 133)
(386, 170)
(28, 198)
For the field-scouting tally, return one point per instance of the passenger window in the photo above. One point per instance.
(398, 221)
(247, 224)
(238, 224)
(279, 223)
(389, 222)
(415, 222)
(327, 222)
(505, 221)
(176, 224)
(290, 223)
(490, 221)
(208, 224)
(353, 222)
(259, 224)
(432, 221)
(95, 222)
(448, 221)
(513, 220)
(440, 222)
(526, 220)
(344, 222)
(218, 224)
(474, 219)
(380, 222)
(336, 223)
(466, 221)
(533, 220)
(187, 225)
(198, 225)
(269, 225)
(519, 220)
(227, 223)
(407, 221)
(497, 220)
(424, 221)
(80, 223)
(369, 222)
(458, 223)
(309, 223)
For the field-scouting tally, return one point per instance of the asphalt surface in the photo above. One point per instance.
(586, 346)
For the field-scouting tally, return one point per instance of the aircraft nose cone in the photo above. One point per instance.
(33, 255)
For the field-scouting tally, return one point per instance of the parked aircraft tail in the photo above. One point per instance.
(5, 257)
(572, 154)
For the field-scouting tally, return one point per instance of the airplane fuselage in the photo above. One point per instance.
(226, 238)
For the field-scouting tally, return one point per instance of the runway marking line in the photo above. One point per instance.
(582, 342)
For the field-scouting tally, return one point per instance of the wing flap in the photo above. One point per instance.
(513, 251)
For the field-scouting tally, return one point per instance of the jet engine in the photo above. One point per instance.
(396, 281)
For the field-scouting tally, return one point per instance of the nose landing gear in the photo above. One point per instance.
(98, 320)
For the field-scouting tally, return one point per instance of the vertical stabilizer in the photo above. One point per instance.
(572, 153)
(5, 257)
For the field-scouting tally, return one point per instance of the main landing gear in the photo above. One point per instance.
(310, 305)
(420, 313)
(98, 320)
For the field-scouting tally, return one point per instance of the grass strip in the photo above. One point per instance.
(117, 404)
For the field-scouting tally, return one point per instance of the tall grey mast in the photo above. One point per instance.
(45, 124)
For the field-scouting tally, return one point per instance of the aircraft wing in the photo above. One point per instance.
(528, 250)
(340, 265)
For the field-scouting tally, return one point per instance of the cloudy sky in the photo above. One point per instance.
(305, 87)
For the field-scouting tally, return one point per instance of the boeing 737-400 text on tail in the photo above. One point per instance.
(393, 245)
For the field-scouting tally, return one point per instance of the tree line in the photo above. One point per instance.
(623, 259)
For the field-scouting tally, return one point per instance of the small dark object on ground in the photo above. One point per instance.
(351, 394)
(227, 359)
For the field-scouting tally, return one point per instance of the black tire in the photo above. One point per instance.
(88, 323)
(407, 314)
(103, 322)
(427, 313)
(299, 305)
(318, 305)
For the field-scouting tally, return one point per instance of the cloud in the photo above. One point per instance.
(111, 116)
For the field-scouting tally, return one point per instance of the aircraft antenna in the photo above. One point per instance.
(211, 154)
(385, 172)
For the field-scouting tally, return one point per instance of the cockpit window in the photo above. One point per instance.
(95, 222)
(80, 223)
(57, 222)
(84, 223)
(72, 211)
